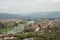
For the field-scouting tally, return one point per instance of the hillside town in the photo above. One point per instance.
(16, 29)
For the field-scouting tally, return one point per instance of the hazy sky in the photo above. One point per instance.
(29, 6)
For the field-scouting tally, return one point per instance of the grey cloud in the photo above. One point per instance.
(28, 6)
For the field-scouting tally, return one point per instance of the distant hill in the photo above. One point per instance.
(9, 16)
(53, 15)
(45, 15)
(32, 15)
(36, 15)
(13, 16)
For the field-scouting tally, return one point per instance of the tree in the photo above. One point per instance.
(1, 25)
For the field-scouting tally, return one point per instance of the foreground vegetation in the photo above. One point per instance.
(39, 36)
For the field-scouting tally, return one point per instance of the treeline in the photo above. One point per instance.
(7, 25)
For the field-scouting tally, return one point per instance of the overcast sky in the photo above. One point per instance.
(29, 6)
